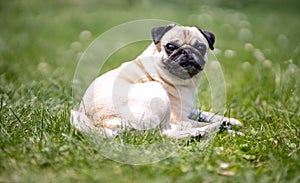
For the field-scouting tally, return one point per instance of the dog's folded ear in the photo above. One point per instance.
(210, 37)
(158, 32)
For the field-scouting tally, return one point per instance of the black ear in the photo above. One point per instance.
(158, 32)
(210, 37)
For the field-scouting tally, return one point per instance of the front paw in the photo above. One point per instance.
(227, 123)
(200, 133)
(233, 121)
(197, 136)
(225, 126)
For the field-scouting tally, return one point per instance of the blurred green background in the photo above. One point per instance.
(257, 44)
(43, 31)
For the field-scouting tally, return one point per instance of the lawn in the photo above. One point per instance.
(257, 46)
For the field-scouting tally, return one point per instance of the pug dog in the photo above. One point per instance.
(154, 91)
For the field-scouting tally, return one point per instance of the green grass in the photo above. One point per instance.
(37, 64)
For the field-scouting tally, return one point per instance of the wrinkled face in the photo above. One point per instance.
(185, 51)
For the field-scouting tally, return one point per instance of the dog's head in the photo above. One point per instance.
(184, 48)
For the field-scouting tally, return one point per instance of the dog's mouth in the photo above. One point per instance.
(184, 63)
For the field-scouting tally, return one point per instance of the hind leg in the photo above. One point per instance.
(148, 106)
(142, 106)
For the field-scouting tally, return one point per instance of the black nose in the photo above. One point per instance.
(187, 53)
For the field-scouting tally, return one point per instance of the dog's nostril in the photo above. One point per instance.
(184, 53)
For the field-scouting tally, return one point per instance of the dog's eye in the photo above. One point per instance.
(170, 48)
(201, 47)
